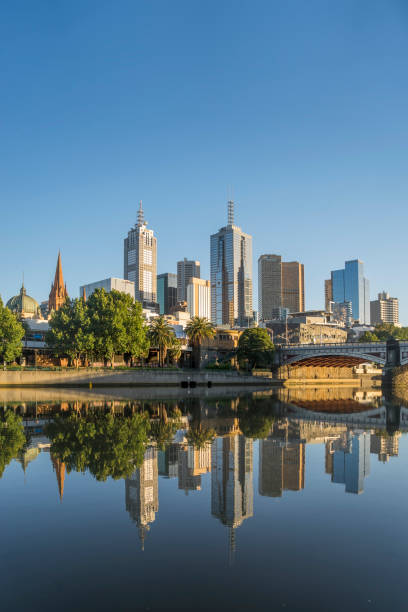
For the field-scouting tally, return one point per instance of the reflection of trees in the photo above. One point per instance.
(12, 438)
(101, 443)
(198, 436)
(256, 418)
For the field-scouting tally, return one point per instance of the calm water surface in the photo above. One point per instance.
(252, 502)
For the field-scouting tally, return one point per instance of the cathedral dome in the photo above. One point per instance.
(24, 305)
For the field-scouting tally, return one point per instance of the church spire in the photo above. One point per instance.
(58, 293)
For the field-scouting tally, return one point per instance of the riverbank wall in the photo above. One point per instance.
(91, 377)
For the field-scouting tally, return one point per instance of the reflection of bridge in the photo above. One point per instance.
(390, 353)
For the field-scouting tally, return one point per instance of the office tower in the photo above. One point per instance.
(166, 291)
(232, 492)
(140, 261)
(349, 285)
(186, 270)
(281, 466)
(351, 461)
(384, 310)
(58, 293)
(231, 275)
(109, 284)
(385, 446)
(280, 286)
(199, 298)
(328, 294)
(342, 313)
(142, 493)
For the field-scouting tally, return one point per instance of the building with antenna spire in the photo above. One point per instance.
(231, 275)
(140, 261)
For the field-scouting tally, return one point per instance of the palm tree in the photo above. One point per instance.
(161, 336)
(197, 329)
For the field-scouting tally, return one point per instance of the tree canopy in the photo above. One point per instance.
(105, 325)
(104, 444)
(256, 346)
(384, 332)
(12, 438)
(11, 335)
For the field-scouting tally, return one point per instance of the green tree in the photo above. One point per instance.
(199, 436)
(70, 331)
(256, 346)
(369, 337)
(161, 336)
(198, 329)
(106, 445)
(11, 335)
(174, 351)
(12, 438)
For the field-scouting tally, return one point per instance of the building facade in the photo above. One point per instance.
(328, 294)
(109, 284)
(166, 292)
(231, 275)
(140, 261)
(281, 285)
(186, 270)
(199, 298)
(350, 285)
(384, 310)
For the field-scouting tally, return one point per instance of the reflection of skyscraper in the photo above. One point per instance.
(192, 463)
(385, 446)
(142, 493)
(281, 466)
(232, 494)
(351, 460)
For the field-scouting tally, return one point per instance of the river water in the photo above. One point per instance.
(290, 500)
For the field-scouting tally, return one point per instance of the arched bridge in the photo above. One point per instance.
(391, 353)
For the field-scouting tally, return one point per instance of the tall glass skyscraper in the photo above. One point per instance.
(231, 275)
(349, 285)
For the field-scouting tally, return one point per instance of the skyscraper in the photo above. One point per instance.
(349, 285)
(186, 270)
(166, 291)
(231, 275)
(140, 261)
(384, 310)
(328, 294)
(199, 298)
(280, 285)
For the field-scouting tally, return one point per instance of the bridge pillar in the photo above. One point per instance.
(393, 353)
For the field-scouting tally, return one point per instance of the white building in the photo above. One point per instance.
(199, 298)
(109, 284)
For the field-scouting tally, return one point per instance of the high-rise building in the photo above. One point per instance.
(281, 466)
(186, 270)
(384, 310)
(328, 294)
(199, 298)
(142, 493)
(140, 261)
(231, 275)
(58, 293)
(166, 291)
(280, 285)
(109, 284)
(349, 285)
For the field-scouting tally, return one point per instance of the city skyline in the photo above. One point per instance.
(313, 144)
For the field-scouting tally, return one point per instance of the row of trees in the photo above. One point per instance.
(384, 332)
(11, 335)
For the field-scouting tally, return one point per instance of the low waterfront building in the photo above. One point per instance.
(384, 310)
(312, 327)
(221, 347)
(109, 284)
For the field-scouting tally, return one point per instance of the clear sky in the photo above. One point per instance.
(300, 106)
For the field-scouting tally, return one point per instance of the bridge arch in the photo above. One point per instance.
(336, 358)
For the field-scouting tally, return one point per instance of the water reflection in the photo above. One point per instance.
(188, 439)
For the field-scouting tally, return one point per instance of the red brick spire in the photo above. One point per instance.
(58, 293)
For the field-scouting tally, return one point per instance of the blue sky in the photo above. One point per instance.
(299, 106)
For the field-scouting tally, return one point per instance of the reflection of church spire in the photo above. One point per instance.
(59, 467)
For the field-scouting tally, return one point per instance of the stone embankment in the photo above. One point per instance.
(92, 377)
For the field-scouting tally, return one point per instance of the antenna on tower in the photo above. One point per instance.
(230, 212)
(140, 215)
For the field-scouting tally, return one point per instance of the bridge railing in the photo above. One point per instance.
(332, 345)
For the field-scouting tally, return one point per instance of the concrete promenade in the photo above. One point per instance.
(94, 377)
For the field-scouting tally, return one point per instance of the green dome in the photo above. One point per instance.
(23, 304)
